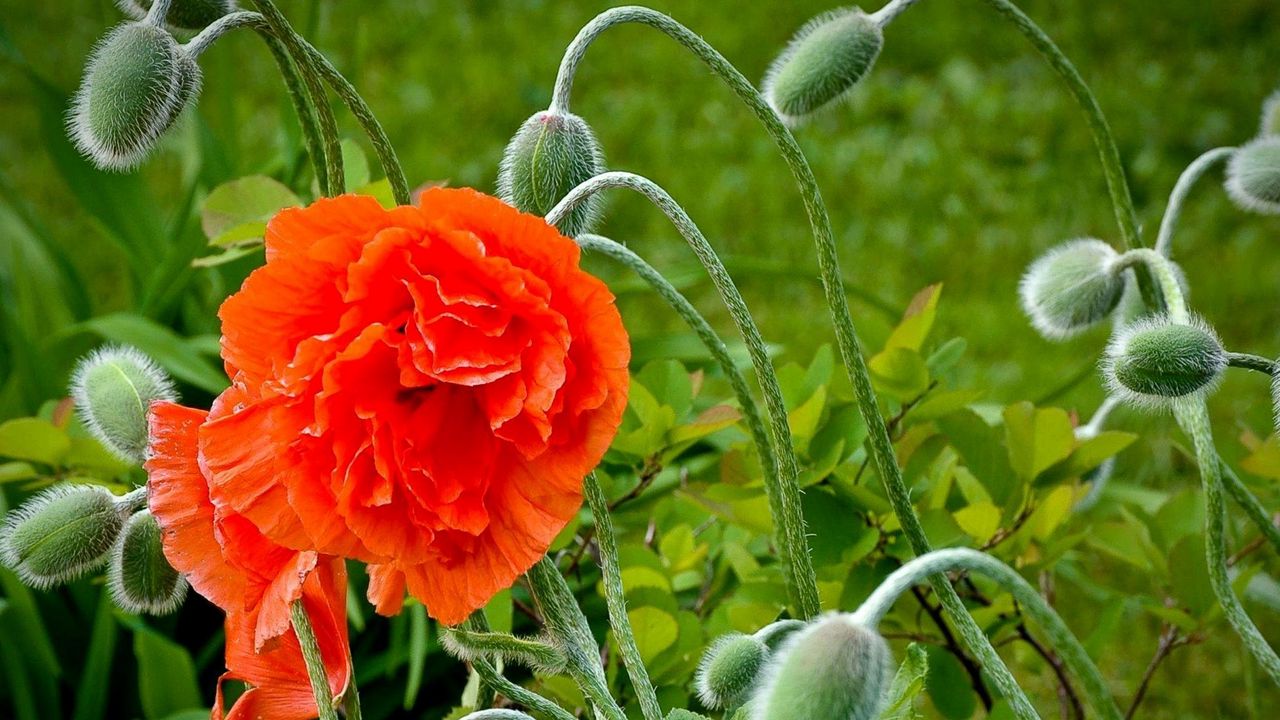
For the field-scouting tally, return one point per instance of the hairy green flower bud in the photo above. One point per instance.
(681, 714)
(183, 14)
(729, 670)
(822, 64)
(552, 153)
(140, 577)
(135, 85)
(113, 389)
(61, 534)
(836, 669)
(1156, 359)
(1072, 288)
(1271, 115)
(1253, 176)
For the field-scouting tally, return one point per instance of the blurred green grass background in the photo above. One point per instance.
(958, 161)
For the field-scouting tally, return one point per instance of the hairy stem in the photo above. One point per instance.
(783, 491)
(490, 675)
(568, 626)
(333, 181)
(615, 598)
(315, 663)
(833, 288)
(1256, 363)
(1173, 211)
(1059, 635)
(1251, 506)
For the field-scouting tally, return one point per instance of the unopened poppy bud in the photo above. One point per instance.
(1271, 115)
(140, 577)
(836, 669)
(552, 153)
(137, 81)
(823, 63)
(113, 389)
(1072, 288)
(729, 670)
(1253, 176)
(1156, 359)
(682, 714)
(61, 534)
(183, 14)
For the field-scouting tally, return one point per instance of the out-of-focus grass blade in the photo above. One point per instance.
(173, 353)
(25, 636)
(417, 653)
(166, 675)
(24, 704)
(92, 692)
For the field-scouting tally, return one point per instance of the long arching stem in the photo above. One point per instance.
(1173, 211)
(1061, 639)
(783, 491)
(846, 335)
(315, 663)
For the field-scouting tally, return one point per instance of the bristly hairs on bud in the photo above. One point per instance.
(835, 669)
(1253, 175)
(186, 15)
(140, 577)
(822, 64)
(1072, 287)
(136, 84)
(729, 670)
(552, 153)
(1155, 360)
(113, 389)
(62, 533)
(1270, 115)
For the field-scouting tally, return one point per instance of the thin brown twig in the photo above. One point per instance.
(970, 666)
(1170, 640)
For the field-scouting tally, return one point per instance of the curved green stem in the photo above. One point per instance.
(490, 675)
(1061, 639)
(293, 82)
(1256, 363)
(333, 181)
(832, 282)
(314, 662)
(1188, 178)
(466, 643)
(615, 598)
(783, 491)
(1251, 506)
(696, 322)
(568, 626)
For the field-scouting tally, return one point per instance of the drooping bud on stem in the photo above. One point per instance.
(183, 14)
(552, 153)
(136, 84)
(1253, 176)
(62, 533)
(730, 669)
(1157, 359)
(140, 577)
(1072, 287)
(113, 389)
(822, 64)
(836, 669)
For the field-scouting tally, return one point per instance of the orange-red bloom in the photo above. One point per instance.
(422, 388)
(251, 578)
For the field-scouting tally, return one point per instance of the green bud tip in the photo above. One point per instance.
(183, 14)
(552, 153)
(836, 669)
(1072, 288)
(61, 534)
(1253, 176)
(140, 578)
(1155, 359)
(729, 670)
(136, 84)
(1271, 115)
(822, 64)
(113, 389)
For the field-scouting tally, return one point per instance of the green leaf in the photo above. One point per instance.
(1189, 576)
(900, 372)
(980, 520)
(1088, 455)
(417, 653)
(174, 354)
(34, 440)
(655, 630)
(907, 685)
(16, 471)
(1037, 438)
(94, 685)
(166, 675)
(948, 685)
(916, 321)
(253, 199)
(983, 453)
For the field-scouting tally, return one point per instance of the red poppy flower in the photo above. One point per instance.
(422, 388)
(252, 579)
